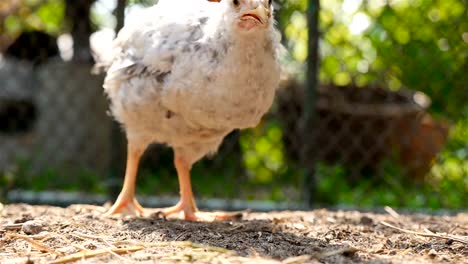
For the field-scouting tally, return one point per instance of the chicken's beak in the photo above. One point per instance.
(260, 14)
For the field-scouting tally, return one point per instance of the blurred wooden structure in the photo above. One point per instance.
(70, 127)
(364, 126)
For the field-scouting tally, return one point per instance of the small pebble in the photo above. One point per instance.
(32, 227)
(24, 218)
(299, 226)
(366, 220)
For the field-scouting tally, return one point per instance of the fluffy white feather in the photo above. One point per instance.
(186, 75)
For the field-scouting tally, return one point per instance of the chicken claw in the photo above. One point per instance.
(125, 207)
(195, 215)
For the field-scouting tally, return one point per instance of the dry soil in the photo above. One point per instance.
(80, 233)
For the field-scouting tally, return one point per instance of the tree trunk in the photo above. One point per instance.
(78, 14)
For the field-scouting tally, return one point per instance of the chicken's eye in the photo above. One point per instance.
(236, 2)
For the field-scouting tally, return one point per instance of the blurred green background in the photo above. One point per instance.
(421, 45)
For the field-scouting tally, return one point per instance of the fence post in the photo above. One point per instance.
(120, 14)
(311, 84)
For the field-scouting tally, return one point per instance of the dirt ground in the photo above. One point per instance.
(79, 233)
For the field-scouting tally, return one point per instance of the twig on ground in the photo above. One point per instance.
(109, 250)
(392, 212)
(84, 236)
(34, 243)
(181, 235)
(89, 207)
(298, 259)
(453, 229)
(426, 234)
(183, 244)
(87, 237)
(102, 239)
(11, 227)
(77, 246)
(94, 253)
(346, 250)
(428, 231)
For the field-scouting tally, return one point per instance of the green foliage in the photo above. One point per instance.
(270, 175)
(422, 45)
(50, 16)
(393, 190)
(263, 153)
(452, 163)
(65, 178)
(446, 188)
(418, 44)
(46, 16)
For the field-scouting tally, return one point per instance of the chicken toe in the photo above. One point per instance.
(126, 206)
(195, 215)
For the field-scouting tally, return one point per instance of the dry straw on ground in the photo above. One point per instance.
(80, 233)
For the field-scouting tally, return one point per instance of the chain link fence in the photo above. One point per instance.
(56, 135)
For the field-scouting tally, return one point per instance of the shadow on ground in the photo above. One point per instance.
(264, 238)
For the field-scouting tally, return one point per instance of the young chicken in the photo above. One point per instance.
(186, 75)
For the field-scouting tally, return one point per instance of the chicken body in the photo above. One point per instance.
(186, 76)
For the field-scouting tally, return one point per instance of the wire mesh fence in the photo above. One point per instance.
(55, 133)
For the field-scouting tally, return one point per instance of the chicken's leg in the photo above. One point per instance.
(187, 201)
(126, 202)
